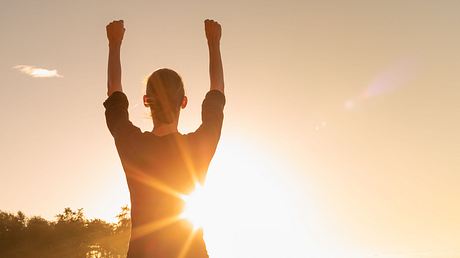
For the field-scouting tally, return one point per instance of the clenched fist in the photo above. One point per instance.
(213, 31)
(115, 31)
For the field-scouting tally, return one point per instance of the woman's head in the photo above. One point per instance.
(165, 95)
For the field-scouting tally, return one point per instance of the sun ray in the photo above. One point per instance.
(155, 183)
(187, 244)
(187, 159)
(149, 228)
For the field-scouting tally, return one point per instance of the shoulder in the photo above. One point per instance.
(116, 99)
(215, 97)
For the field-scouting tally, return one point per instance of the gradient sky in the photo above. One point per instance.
(356, 101)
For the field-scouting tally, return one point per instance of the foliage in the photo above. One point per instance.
(70, 235)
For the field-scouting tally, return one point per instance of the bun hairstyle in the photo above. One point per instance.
(165, 91)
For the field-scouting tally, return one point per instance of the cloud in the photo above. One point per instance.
(37, 72)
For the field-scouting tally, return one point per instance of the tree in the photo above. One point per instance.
(70, 235)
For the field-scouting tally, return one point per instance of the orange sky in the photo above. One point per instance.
(356, 102)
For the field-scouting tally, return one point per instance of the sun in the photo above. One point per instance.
(196, 209)
(246, 208)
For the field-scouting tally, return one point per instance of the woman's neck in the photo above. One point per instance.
(164, 129)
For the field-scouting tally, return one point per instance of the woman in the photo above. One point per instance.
(164, 164)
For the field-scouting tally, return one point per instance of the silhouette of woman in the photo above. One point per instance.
(163, 164)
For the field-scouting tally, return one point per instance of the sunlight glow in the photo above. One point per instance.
(247, 206)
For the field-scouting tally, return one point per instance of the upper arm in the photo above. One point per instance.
(212, 116)
(208, 134)
(117, 117)
(203, 142)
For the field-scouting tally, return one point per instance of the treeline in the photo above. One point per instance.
(70, 235)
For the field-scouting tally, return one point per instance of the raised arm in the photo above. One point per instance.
(115, 31)
(216, 72)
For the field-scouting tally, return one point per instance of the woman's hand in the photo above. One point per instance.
(115, 32)
(213, 31)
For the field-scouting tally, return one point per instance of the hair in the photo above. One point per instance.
(165, 91)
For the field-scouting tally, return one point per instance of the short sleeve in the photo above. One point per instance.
(212, 108)
(117, 117)
(207, 135)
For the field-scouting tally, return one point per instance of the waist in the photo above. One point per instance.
(164, 239)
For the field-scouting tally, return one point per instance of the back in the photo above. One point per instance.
(160, 169)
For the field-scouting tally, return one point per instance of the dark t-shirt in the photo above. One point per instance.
(158, 170)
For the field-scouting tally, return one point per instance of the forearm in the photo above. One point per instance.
(216, 72)
(114, 69)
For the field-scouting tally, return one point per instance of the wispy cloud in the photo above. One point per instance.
(37, 72)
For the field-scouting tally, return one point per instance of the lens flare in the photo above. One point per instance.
(389, 80)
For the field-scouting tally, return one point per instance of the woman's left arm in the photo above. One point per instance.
(115, 32)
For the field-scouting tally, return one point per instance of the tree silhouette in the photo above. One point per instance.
(70, 235)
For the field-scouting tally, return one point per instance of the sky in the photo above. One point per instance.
(348, 109)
